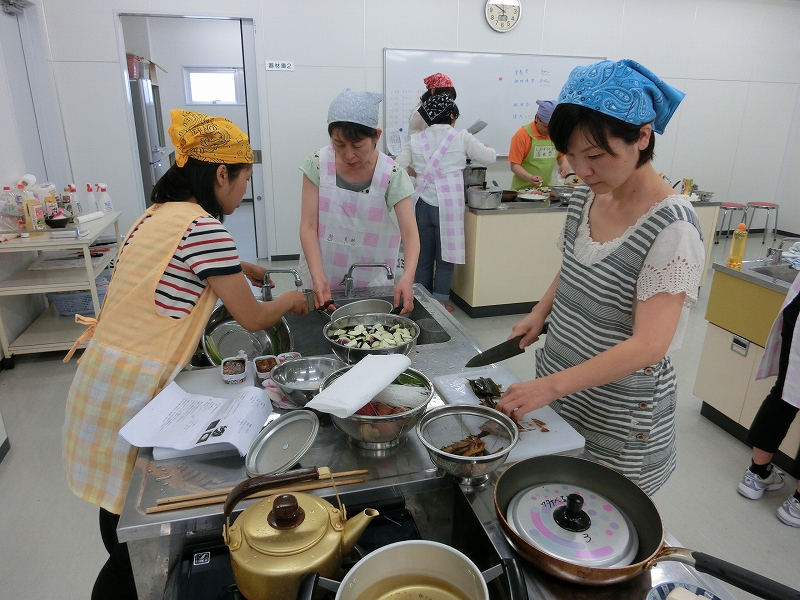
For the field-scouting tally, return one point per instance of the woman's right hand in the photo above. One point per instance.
(322, 291)
(529, 328)
(298, 303)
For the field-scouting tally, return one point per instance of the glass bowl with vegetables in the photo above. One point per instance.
(353, 337)
(386, 419)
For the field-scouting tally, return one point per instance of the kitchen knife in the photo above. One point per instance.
(500, 352)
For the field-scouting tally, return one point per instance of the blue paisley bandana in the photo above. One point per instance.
(355, 107)
(625, 90)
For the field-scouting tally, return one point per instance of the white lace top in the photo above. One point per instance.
(674, 264)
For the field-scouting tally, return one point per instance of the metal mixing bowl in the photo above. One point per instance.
(380, 432)
(445, 425)
(300, 379)
(223, 336)
(353, 355)
(368, 305)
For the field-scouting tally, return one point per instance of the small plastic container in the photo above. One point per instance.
(284, 356)
(263, 366)
(234, 368)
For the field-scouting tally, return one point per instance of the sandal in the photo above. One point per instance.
(448, 307)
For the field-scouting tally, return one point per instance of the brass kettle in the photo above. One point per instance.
(277, 540)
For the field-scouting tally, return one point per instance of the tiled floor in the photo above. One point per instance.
(51, 547)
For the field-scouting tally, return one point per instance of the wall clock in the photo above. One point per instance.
(503, 15)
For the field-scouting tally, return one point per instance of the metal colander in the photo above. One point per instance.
(446, 425)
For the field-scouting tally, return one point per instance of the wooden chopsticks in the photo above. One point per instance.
(218, 496)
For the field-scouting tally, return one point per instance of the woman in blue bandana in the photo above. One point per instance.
(632, 261)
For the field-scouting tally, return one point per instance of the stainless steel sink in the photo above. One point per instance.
(783, 272)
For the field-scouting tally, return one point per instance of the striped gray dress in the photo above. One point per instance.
(629, 424)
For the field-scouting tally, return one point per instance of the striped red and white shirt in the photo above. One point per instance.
(206, 250)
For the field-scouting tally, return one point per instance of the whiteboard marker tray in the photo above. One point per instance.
(559, 437)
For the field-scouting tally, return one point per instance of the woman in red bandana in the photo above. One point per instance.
(436, 84)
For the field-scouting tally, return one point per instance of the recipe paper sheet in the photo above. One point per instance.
(193, 423)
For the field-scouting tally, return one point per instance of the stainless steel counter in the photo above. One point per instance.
(748, 274)
(538, 207)
(155, 541)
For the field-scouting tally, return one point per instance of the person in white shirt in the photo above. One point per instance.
(438, 155)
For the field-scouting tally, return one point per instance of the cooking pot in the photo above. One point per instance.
(418, 568)
(474, 175)
(637, 508)
(277, 540)
(484, 197)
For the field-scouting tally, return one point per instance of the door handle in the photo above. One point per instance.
(740, 345)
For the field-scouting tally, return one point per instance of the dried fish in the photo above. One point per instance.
(472, 445)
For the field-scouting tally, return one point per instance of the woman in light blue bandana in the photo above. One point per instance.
(349, 190)
(632, 261)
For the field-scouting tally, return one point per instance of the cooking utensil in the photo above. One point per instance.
(485, 198)
(277, 540)
(379, 432)
(299, 379)
(352, 355)
(360, 307)
(443, 426)
(500, 352)
(507, 195)
(223, 336)
(474, 175)
(635, 505)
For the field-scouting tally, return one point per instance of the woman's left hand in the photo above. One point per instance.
(521, 398)
(404, 293)
(254, 273)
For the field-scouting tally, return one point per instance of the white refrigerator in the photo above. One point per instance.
(149, 133)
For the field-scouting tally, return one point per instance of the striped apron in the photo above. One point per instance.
(629, 424)
(133, 352)
(450, 193)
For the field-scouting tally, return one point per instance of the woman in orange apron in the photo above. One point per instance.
(176, 260)
(350, 189)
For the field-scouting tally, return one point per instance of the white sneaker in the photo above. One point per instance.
(789, 512)
(752, 486)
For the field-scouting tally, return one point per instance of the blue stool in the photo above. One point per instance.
(769, 207)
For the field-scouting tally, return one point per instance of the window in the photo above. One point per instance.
(214, 85)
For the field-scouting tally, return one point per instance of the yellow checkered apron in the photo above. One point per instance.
(134, 351)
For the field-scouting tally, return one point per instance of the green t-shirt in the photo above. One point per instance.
(400, 185)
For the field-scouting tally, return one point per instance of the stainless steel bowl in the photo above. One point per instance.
(381, 432)
(445, 425)
(300, 379)
(368, 305)
(353, 355)
(223, 336)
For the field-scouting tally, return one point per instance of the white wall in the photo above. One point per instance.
(736, 59)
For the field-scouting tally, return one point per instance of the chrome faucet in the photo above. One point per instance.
(349, 283)
(774, 255)
(266, 287)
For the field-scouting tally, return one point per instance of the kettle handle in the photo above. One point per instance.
(248, 487)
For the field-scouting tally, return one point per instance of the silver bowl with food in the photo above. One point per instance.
(360, 307)
(353, 337)
(223, 336)
(386, 420)
(300, 379)
(467, 442)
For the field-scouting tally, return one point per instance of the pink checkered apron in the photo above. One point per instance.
(450, 192)
(355, 227)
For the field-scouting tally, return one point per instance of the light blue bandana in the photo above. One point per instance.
(355, 107)
(625, 90)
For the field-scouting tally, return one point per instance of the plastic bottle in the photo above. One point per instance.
(75, 204)
(738, 243)
(91, 203)
(105, 199)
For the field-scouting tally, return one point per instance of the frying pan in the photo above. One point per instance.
(639, 508)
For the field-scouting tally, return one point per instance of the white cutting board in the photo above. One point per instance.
(455, 389)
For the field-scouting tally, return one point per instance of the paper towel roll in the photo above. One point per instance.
(27, 180)
(88, 217)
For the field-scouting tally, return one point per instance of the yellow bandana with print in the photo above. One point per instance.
(210, 139)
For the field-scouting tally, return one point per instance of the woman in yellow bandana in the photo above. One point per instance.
(176, 261)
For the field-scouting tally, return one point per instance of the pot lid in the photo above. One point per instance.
(573, 524)
(306, 519)
(282, 443)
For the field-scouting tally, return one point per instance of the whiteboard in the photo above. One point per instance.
(500, 89)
